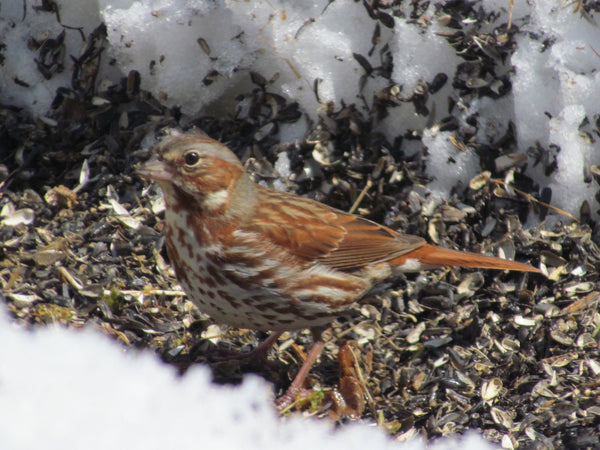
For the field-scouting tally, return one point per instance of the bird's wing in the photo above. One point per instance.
(315, 232)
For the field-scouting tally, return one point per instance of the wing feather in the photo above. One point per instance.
(313, 232)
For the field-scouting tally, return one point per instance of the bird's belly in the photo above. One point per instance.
(260, 311)
(260, 295)
(252, 306)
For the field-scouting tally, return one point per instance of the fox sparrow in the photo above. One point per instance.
(254, 257)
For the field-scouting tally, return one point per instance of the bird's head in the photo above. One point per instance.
(195, 169)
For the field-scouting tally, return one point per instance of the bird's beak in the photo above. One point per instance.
(155, 169)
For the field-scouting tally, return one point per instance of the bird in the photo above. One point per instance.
(257, 258)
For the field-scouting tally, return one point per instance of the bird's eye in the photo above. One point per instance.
(191, 158)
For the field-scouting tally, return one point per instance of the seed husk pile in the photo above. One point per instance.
(512, 355)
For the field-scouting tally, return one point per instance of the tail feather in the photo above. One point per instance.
(432, 255)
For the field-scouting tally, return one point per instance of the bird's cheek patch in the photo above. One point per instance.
(216, 200)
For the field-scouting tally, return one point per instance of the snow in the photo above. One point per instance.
(67, 389)
(161, 41)
(419, 55)
(555, 89)
(16, 29)
(575, 153)
(198, 54)
(463, 164)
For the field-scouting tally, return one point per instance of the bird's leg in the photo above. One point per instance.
(296, 387)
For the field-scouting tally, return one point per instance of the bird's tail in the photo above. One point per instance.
(432, 255)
